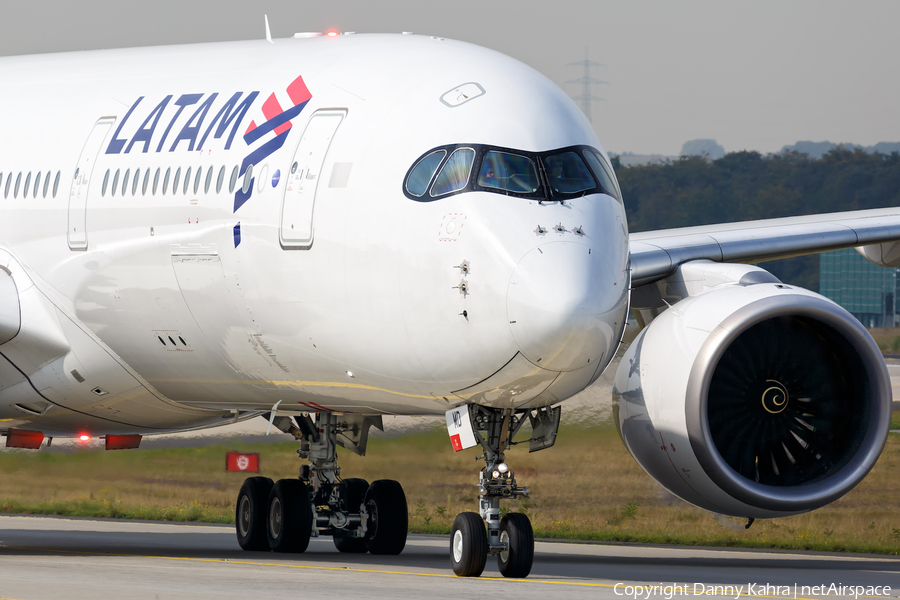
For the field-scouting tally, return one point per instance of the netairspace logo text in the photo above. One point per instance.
(750, 590)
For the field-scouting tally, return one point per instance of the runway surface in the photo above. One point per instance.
(51, 558)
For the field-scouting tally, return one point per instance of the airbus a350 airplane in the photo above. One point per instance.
(332, 228)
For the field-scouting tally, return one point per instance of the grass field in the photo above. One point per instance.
(888, 340)
(586, 487)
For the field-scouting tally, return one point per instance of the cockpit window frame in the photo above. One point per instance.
(544, 193)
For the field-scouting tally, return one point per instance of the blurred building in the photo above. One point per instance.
(866, 290)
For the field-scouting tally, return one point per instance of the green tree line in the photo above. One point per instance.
(745, 185)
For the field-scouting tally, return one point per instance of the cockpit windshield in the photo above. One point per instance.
(568, 174)
(508, 172)
(455, 173)
(557, 175)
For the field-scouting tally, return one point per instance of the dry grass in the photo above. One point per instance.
(586, 487)
(887, 339)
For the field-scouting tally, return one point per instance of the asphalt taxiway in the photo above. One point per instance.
(50, 558)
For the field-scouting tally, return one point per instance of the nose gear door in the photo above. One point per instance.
(303, 179)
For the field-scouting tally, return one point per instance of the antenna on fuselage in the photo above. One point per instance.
(586, 98)
(268, 32)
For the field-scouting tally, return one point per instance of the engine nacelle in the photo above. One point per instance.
(759, 400)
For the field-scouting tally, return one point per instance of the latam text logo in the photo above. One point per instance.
(210, 115)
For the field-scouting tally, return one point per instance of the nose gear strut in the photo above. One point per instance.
(510, 538)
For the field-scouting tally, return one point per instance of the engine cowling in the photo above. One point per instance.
(760, 400)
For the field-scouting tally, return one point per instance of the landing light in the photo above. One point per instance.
(502, 468)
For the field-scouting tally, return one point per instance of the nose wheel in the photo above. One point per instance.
(517, 536)
(468, 545)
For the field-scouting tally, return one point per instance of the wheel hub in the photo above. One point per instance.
(244, 521)
(457, 546)
(275, 518)
(504, 539)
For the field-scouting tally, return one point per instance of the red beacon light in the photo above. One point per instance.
(332, 33)
(84, 438)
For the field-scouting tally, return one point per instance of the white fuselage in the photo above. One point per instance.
(364, 310)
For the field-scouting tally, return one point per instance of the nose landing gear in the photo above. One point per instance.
(283, 516)
(510, 538)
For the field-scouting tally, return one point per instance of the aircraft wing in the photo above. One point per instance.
(656, 254)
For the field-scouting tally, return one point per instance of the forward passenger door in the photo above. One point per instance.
(303, 179)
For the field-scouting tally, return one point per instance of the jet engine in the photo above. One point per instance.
(754, 399)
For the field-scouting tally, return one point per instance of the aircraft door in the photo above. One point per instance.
(303, 179)
(77, 233)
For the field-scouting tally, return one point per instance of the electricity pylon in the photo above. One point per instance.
(586, 98)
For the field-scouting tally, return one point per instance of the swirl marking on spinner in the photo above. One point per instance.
(775, 398)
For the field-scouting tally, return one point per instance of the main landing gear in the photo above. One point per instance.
(283, 516)
(510, 538)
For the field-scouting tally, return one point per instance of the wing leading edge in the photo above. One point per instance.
(656, 254)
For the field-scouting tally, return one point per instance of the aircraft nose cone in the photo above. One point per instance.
(555, 306)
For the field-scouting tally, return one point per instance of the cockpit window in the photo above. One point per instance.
(420, 177)
(567, 173)
(455, 173)
(603, 172)
(556, 175)
(508, 172)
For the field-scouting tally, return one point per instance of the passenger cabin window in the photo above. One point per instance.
(175, 183)
(248, 179)
(27, 183)
(8, 183)
(209, 174)
(56, 183)
(47, 183)
(137, 181)
(422, 173)
(221, 179)
(156, 180)
(556, 175)
(187, 181)
(18, 183)
(197, 178)
(454, 174)
(233, 182)
(37, 185)
(125, 179)
(115, 185)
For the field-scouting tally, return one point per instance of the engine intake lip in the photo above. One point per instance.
(807, 496)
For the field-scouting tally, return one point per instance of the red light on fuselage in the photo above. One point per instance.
(332, 33)
(84, 438)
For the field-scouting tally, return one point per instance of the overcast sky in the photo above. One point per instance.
(753, 75)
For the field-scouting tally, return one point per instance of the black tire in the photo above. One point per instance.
(251, 513)
(289, 524)
(515, 529)
(388, 521)
(468, 545)
(353, 494)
